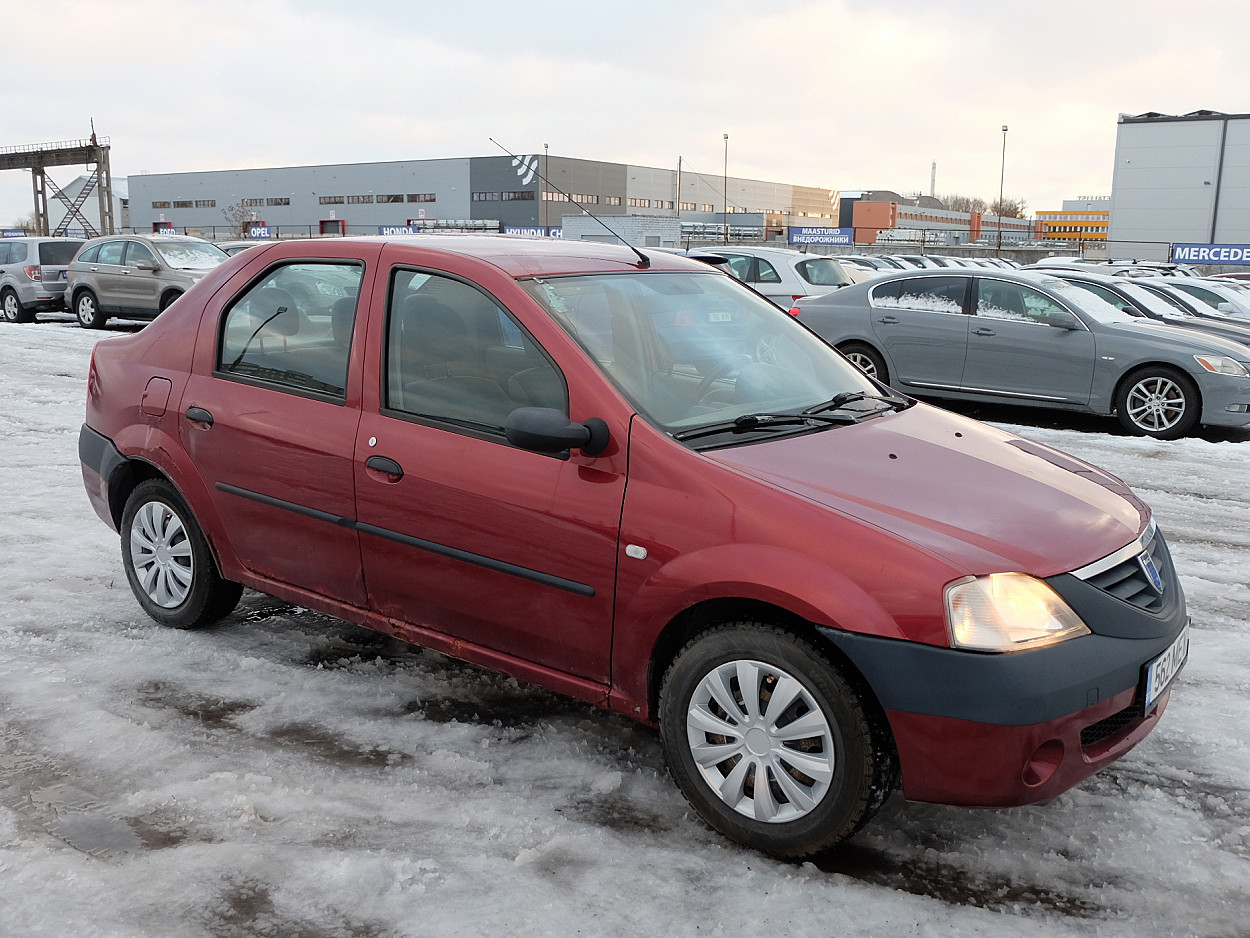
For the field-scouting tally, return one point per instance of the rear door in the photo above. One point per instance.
(105, 275)
(922, 324)
(1014, 352)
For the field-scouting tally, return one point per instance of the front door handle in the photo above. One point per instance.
(984, 331)
(385, 465)
(199, 415)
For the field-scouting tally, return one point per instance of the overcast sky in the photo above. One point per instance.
(841, 94)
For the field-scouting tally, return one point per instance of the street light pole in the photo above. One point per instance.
(542, 191)
(725, 189)
(1002, 174)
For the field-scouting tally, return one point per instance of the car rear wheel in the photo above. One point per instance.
(1160, 402)
(87, 310)
(167, 560)
(770, 743)
(866, 359)
(13, 309)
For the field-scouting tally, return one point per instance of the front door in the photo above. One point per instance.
(460, 532)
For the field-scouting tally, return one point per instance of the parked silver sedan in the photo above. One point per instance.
(1014, 337)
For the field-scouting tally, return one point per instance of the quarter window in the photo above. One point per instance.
(294, 329)
(454, 356)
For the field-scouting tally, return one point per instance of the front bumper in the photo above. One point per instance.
(995, 730)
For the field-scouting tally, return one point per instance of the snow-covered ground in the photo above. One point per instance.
(285, 774)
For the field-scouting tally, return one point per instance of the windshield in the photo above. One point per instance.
(1152, 302)
(190, 255)
(693, 349)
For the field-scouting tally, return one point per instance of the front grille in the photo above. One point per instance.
(1106, 728)
(1128, 581)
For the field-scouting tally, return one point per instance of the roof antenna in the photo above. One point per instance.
(643, 260)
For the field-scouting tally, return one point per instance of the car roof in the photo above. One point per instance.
(517, 256)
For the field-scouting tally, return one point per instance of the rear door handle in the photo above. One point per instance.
(889, 320)
(385, 465)
(984, 331)
(199, 415)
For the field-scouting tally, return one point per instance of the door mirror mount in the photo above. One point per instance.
(547, 430)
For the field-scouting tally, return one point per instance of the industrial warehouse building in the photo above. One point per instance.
(1180, 179)
(530, 192)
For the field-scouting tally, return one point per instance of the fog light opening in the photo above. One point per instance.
(1043, 763)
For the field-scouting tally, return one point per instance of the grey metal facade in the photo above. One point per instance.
(1181, 179)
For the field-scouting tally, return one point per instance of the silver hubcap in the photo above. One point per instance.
(863, 363)
(1156, 404)
(86, 309)
(760, 741)
(161, 554)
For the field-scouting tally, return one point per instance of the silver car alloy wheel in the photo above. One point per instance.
(12, 307)
(863, 362)
(1156, 403)
(161, 553)
(760, 741)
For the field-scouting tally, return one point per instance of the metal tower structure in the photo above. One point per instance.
(37, 157)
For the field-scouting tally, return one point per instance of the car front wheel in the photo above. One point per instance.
(770, 743)
(168, 563)
(87, 310)
(1160, 402)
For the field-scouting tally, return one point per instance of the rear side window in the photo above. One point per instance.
(931, 294)
(293, 328)
(57, 253)
(111, 252)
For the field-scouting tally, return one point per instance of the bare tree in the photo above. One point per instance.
(28, 223)
(963, 203)
(1008, 208)
(238, 216)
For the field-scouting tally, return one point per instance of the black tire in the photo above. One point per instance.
(87, 311)
(847, 751)
(167, 300)
(12, 308)
(1158, 401)
(867, 359)
(170, 568)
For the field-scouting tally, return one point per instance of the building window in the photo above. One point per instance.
(359, 199)
(612, 200)
(640, 203)
(523, 196)
(687, 206)
(391, 198)
(183, 204)
(421, 197)
(162, 205)
(252, 203)
(278, 201)
(486, 197)
(555, 197)
(205, 203)
(588, 199)
(331, 200)
(707, 207)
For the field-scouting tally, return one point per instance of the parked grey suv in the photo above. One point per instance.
(135, 276)
(32, 275)
(1025, 338)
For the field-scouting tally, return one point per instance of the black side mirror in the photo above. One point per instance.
(1062, 319)
(546, 430)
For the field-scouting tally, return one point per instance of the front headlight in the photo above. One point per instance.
(1008, 612)
(1222, 365)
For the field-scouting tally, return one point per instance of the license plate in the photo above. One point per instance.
(65, 275)
(720, 315)
(1159, 673)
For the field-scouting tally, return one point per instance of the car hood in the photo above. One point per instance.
(983, 500)
(1192, 340)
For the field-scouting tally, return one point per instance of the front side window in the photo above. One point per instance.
(930, 294)
(284, 330)
(137, 251)
(453, 355)
(1001, 299)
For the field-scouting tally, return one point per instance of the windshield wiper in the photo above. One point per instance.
(750, 422)
(838, 401)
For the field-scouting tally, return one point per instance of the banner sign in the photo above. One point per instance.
(258, 231)
(397, 230)
(13, 233)
(806, 235)
(532, 231)
(1211, 253)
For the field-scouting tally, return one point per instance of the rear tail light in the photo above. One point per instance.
(794, 310)
(34, 272)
